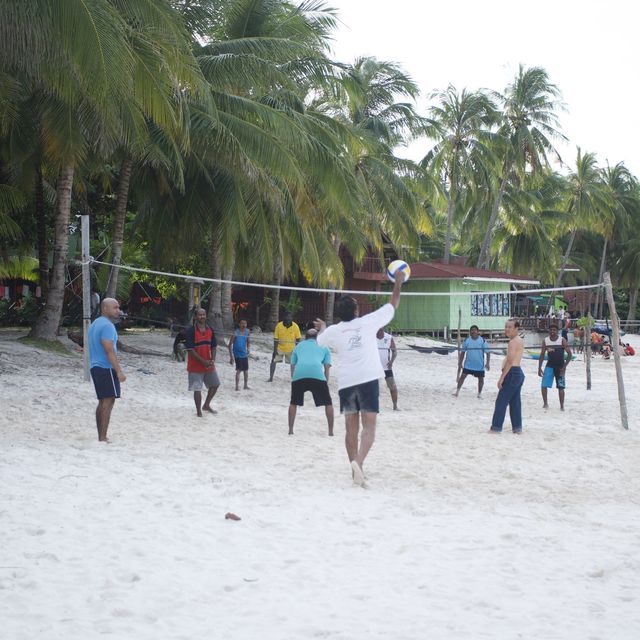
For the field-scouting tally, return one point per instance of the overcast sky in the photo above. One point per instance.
(590, 50)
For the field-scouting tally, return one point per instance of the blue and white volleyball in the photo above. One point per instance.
(398, 265)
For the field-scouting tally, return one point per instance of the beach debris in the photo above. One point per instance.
(231, 516)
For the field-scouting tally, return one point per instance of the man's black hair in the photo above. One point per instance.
(474, 326)
(346, 308)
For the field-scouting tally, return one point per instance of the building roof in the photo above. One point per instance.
(441, 271)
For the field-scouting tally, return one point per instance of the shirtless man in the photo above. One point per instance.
(510, 382)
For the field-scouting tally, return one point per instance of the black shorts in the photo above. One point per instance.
(319, 389)
(106, 383)
(361, 397)
(473, 372)
(242, 364)
(388, 373)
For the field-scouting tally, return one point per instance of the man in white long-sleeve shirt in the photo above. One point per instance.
(359, 369)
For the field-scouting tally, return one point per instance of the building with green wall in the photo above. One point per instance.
(484, 298)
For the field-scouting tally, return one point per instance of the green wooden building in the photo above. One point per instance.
(488, 306)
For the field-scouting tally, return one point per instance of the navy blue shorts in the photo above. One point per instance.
(474, 373)
(242, 364)
(106, 382)
(361, 397)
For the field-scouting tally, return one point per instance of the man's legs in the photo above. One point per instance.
(238, 380)
(461, 380)
(197, 398)
(352, 423)
(500, 410)
(393, 389)
(207, 403)
(246, 379)
(545, 402)
(103, 414)
(293, 409)
(328, 411)
(367, 437)
(480, 385)
(272, 370)
(561, 396)
(515, 410)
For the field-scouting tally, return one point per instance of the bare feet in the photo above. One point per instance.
(208, 409)
(545, 406)
(495, 432)
(358, 476)
(396, 408)
(199, 413)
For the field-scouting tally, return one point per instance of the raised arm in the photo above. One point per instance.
(395, 295)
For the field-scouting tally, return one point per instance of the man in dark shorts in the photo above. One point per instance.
(311, 364)
(105, 368)
(201, 353)
(555, 347)
(359, 370)
(388, 352)
(239, 352)
(474, 349)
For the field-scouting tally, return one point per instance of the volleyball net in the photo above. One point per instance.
(439, 308)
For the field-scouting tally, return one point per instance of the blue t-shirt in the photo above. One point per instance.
(475, 350)
(240, 344)
(101, 329)
(309, 359)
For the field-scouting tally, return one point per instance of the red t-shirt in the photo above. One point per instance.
(202, 343)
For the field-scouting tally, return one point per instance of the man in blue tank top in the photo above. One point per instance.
(239, 352)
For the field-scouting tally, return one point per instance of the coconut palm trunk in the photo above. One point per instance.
(46, 327)
(225, 295)
(633, 303)
(274, 311)
(485, 254)
(214, 314)
(563, 267)
(119, 218)
(447, 238)
(41, 234)
(331, 296)
(603, 262)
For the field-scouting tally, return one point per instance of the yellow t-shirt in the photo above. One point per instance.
(286, 337)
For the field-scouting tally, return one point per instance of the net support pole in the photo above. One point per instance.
(615, 323)
(458, 352)
(86, 296)
(586, 341)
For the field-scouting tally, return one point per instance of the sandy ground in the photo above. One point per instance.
(460, 535)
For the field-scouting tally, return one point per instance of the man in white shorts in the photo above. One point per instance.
(359, 369)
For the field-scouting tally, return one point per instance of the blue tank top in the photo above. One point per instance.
(240, 344)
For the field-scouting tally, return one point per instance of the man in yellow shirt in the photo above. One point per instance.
(285, 337)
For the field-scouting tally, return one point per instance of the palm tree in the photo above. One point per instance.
(589, 205)
(460, 124)
(527, 127)
(105, 101)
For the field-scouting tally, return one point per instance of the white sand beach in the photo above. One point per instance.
(461, 535)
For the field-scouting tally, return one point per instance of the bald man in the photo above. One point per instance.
(105, 368)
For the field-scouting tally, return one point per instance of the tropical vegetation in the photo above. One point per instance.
(220, 138)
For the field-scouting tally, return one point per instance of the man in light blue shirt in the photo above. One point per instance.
(310, 365)
(105, 368)
(474, 348)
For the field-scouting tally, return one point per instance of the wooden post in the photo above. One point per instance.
(587, 349)
(458, 351)
(615, 322)
(86, 296)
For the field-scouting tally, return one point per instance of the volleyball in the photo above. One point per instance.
(398, 265)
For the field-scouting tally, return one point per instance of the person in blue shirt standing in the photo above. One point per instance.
(310, 372)
(474, 348)
(105, 368)
(239, 352)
